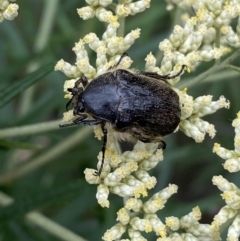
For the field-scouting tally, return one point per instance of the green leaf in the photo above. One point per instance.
(43, 197)
(17, 145)
(13, 90)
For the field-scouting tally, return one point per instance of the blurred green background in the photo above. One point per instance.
(42, 168)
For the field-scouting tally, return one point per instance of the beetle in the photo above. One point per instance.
(136, 104)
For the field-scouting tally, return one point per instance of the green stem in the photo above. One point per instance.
(47, 157)
(219, 76)
(217, 43)
(30, 129)
(121, 28)
(213, 69)
(43, 222)
(41, 40)
(232, 67)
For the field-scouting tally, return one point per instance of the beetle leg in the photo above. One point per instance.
(69, 102)
(163, 77)
(162, 145)
(104, 130)
(84, 81)
(91, 122)
(77, 121)
(156, 76)
(177, 74)
(119, 61)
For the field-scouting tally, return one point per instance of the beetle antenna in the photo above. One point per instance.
(121, 58)
(69, 102)
(177, 74)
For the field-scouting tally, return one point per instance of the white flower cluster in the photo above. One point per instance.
(195, 41)
(125, 175)
(8, 10)
(98, 8)
(229, 214)
(128, 216)
(110, 45)
(232, 157)
(192, 111)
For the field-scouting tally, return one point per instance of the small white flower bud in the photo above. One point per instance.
(86, 12)
(11, 12)
(158, 227)
(232, 165)
(173, 223)
(68, 69)
(223, 184)
(135, 235)
(134, 204)
(223, 216)
(114, 233)
(234, 230)
(141, 224)
(223, 152)
(123, 216)
(102, 195)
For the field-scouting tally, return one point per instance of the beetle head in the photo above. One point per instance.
(76, 100)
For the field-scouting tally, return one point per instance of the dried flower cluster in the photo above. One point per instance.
(8, 10)
(126, 174)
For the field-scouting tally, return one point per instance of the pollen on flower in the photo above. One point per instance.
(79, 47)
(89, 38)
(115, 160)
(98, 132)
(68, 69)
(68, 116)
(140, 190)
(156, 205)
(197, 213)
(86, 68)
(102, 195)
(68, 84)
(114, 233)
(145, 178)
(11, 11)
(141, 224)
(186, 102)
(173, 223)
(172, 188)
(133, 204)
(103, 15)
(122, 10)
(126, 169)
(232, 165)
(223, 184)
(193, 20)
(150, 62)
(201, 14)
(223, 152)
(90, 177)
(165, 46)
(232, 199)
(236, 122)
(86, 12)
(123, 216)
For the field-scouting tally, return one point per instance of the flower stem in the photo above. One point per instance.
(43, 222)
(30, 129)
(47, 157)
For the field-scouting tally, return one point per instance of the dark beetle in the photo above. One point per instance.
(140, 104)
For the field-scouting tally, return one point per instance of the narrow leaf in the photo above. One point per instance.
(7, 94)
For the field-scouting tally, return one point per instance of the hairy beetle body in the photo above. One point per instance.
(141, 105)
